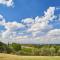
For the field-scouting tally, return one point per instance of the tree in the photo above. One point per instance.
(16, 46)
(52, 51)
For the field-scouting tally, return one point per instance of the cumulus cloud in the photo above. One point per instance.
(51, 37)
(42, 23)
(28, 22)
(11, 27)
(7, 2)
(31, 31)
(54, 32)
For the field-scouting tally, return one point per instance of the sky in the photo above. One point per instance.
(30, 21)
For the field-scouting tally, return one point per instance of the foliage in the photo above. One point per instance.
(30, 49)
(16, 47)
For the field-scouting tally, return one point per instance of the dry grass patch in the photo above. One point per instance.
(15, 57)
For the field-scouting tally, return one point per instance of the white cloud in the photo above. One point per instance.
(7, 2)
(10, 28)
(55, 32)
(42, 23)
(47, 15)
(36, 30)
(13, 25)
(52, 37)
(28, 22)
(9, 33)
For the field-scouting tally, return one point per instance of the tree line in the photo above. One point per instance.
(30, 49)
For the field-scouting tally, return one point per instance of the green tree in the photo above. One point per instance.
(16, 46)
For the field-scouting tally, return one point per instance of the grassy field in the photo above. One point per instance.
(15, 57)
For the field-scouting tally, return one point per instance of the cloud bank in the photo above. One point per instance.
(31, 31)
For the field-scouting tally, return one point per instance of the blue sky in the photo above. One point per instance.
(30, 21)
(26, 8)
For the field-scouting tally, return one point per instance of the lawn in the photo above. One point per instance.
(15, 57)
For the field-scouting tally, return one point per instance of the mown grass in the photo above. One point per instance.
(15, 57)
